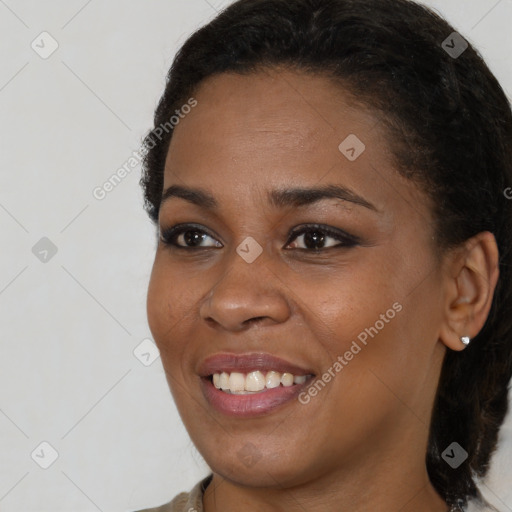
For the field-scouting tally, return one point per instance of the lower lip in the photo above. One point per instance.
(250, 405)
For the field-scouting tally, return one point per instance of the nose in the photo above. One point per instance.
(246, 293)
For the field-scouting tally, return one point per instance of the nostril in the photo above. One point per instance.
(255, 320)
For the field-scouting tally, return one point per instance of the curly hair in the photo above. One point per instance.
(450, 126)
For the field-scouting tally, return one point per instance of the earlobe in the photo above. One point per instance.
(473, 277)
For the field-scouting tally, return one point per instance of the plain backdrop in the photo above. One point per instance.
(77, 392)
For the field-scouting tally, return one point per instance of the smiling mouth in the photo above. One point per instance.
(237, 383)
(251, 384)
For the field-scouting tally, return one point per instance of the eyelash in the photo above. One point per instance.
(169, 236)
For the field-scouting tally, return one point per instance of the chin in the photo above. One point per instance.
(249, 467)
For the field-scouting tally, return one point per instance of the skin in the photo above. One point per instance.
(360, 444)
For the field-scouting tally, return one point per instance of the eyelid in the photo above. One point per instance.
(167, 234)
(345, 238)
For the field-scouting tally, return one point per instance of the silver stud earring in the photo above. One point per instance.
(465, 340)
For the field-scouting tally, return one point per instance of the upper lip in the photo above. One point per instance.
(243, 363)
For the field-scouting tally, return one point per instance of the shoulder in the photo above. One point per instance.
(185, 501)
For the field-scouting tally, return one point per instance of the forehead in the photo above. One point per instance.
(252, 133)
(283, 116)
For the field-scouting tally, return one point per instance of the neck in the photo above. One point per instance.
(348, 495)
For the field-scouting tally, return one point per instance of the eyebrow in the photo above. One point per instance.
(280, 198)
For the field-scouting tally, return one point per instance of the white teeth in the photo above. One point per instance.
(224, 381)
(254, 382)
(287, 379)
(272, 379)
(237, 382)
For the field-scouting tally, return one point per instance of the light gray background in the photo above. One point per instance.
(68, 374)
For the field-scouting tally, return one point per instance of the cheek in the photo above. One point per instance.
(158, 296)
(348, 303)
(167, 310)
(169, 297)
(384, 309)
(386, 335)
(173, 301)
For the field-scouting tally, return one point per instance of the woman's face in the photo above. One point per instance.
(341, 284)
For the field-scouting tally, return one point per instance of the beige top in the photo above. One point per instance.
(185, 501)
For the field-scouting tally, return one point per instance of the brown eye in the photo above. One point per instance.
(188, 236)
(320, 237)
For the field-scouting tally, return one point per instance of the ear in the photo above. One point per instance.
(472, 274)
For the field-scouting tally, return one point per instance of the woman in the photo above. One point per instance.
(331, 292)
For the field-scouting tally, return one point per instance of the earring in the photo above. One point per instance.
(465, 340)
